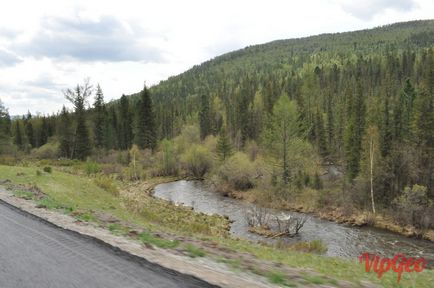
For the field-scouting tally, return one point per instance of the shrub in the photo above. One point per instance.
(48, 169)
(38, 173)
(197, 161)
(92, 167)
(414, 206)
(47, 151)
(239, 172)
(167, 159)
(107, 184)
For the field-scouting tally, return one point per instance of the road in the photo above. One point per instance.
(36, 254)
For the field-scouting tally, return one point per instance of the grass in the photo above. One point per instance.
(73, 193)
(194, 252)
(23, 194)
(157, 241)
(280, 279)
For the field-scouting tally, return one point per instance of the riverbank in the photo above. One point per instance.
(342, 216)
(155, 225)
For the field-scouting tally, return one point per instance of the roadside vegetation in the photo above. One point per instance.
(157, 223)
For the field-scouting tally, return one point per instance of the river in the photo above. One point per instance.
(341, 240)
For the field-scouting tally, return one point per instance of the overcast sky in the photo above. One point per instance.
(47, 46)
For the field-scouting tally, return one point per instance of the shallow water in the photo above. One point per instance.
(341, 240)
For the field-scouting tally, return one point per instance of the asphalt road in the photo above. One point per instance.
(36, 254)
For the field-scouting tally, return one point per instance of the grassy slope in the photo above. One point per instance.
(81, 194)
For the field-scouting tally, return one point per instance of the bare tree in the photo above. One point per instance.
(78, 97)
(289, 225)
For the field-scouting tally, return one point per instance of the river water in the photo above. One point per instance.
(341, 240)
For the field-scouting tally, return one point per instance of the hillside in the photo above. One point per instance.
(268, 120)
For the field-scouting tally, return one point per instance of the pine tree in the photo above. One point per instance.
(146, 136)
(354, 132)
(125, 129)
(99, 118)
(204, 117)
(319, 135)
(224, 146)
(65, 134)
(5, 124)
(43, 135)
(18, 137)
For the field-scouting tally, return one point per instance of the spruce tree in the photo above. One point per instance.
(146, 136)
(18, 137)
(65, 134)
(125, 124)
(224, 146)
(99, 118)
(204, 117)
(354, 132)
(43, 135)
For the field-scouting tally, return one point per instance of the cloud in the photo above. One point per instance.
(367, 9)
(8, 59)
(106, 39)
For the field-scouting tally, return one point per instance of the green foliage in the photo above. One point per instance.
(204, 117)
(99, 118)
(197, 161)
(92, 167)
(157, 241)
(48, 169)
(194, 252)
(168, 158)
(146, 135)
(239, 172)
(224, 146)
(107, 184)
(415, 206)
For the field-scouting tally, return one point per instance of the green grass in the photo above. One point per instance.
(280, 279)
(72, 193)
(156, 241)
(23, 194)
(194, 252)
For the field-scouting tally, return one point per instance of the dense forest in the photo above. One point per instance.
(274, 118)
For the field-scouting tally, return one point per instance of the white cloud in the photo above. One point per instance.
(48, 45)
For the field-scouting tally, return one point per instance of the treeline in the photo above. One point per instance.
(360, 101)
(78, 133)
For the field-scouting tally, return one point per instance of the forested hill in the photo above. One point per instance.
(344, 85)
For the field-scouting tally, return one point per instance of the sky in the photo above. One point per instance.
(48, 46)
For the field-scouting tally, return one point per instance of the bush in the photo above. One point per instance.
(48, 169)
(47, 151)
(167, 162)
(414, 207)
(92, 167)
(197, 161)
(239, 172)
(107, 184)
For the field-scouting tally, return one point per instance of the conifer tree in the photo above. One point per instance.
(204, 117)
(18, 137)
(146, 136)
(65, 134)
(224, 146)
(125, 129)
(99, 118)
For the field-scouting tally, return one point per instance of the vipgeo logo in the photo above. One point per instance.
(399, 264)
